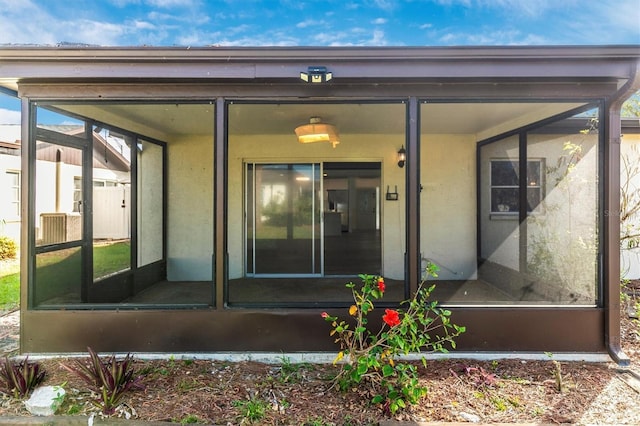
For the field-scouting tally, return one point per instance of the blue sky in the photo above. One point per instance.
(315, 23)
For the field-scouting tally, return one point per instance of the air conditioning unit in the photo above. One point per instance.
(60, 227)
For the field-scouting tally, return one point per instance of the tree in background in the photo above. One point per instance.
(630, 184)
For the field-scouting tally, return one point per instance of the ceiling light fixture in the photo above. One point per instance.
(317, 131)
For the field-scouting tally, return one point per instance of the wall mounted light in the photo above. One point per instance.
(316, 75)
(402, 157)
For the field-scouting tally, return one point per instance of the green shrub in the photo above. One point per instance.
(8, 248)
(370, 357)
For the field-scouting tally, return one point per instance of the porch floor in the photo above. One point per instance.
(308, 292)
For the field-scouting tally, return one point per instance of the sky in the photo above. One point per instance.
(198, 23)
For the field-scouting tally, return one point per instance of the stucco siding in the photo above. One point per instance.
(448, 204)
(190, 213)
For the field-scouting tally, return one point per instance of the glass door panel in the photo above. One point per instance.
(111, 203)
(58, 230)
(283, 219)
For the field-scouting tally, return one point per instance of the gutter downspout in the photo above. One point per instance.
(612, 123)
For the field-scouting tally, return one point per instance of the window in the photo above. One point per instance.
(505, 184)
(77, 194)
(13, 179)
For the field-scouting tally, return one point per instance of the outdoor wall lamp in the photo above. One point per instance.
(402, 156)
(316, 75)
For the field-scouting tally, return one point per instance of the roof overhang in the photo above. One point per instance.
(346, 64)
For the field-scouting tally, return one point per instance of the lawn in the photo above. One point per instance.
(108, 258)
(9, 285)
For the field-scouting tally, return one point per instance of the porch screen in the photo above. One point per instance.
(532, 235)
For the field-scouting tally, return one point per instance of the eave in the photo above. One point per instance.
(348, 64)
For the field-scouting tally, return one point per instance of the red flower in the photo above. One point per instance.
(381, 286)
(324, 315)
(391, 317)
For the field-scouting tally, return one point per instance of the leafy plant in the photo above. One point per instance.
(253, 409)
(190, 419)
(291, 372)
(370, 358)
(19, 377)
(110, 378)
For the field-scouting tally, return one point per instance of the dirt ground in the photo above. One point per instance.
(500, 391)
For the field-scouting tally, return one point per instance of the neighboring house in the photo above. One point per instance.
(630, 182)
(10, 181)
(57, 215)
(263, 179)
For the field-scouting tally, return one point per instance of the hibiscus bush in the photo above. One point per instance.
(372, 361)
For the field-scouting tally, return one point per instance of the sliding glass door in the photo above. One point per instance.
(283, 226)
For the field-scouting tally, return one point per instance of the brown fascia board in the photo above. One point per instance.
(346, 63)
(630, 125)
(257, 54)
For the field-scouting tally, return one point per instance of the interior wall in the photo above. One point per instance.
(190, 209)
(285, 148)
(448, 204)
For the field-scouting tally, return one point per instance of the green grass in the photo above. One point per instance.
(111, 258)
(58, 268)
(10, 287)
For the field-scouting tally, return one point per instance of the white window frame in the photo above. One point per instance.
(535, 185)
(15, 202)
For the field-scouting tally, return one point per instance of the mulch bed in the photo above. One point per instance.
(507, 391)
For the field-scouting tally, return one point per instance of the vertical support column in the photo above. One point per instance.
(611, 220)
(523, 202)
(219, 203)
(87, 213)
(611, 234)
(27, 210)
(412, 255)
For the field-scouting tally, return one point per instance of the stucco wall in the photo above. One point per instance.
(190, 209)
(448, 204)
(150, 177)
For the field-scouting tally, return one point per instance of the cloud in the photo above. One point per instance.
(165, 4)
(386, 5)
(379, 21)
(378, 39)
(310, 23)
(515, 7)
(22, 23)
(8, 116)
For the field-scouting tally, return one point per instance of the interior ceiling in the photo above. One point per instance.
(363, 118)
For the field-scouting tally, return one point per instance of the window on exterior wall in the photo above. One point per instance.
(505, 183)
(77, 194)
(14, 193)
